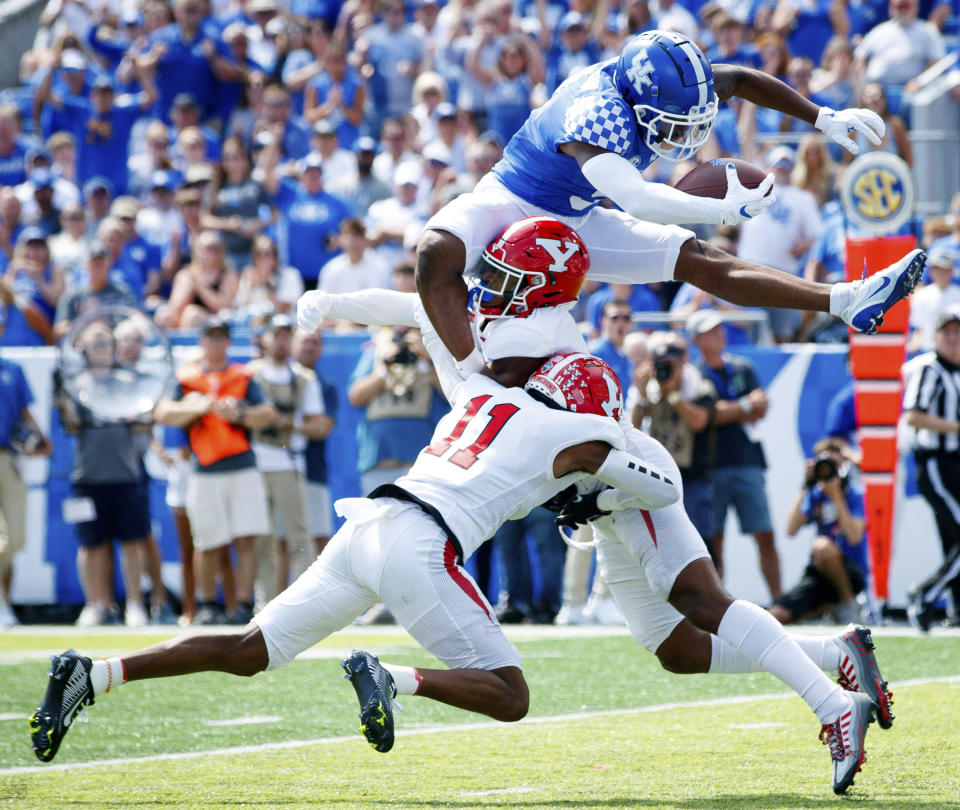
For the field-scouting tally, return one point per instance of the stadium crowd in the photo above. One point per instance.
(208, 162)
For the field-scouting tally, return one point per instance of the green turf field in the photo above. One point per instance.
(607, 729)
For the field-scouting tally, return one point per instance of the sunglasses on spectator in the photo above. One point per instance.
(618, 317)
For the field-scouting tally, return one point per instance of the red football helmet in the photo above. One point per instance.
(536, 262)
(578, 382)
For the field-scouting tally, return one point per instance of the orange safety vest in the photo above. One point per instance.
(212, 437)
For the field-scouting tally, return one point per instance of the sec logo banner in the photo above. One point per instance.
(877, 192)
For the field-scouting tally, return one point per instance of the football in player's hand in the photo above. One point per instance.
(710, 179)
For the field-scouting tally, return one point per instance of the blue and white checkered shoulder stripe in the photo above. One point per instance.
(599, 121)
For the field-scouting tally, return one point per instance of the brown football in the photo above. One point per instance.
(710, 179)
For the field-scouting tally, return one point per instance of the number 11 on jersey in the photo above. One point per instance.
(466, 457)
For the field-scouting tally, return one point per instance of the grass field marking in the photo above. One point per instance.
(11, 717)
(245, 721)
(497, 792)
(545, 720)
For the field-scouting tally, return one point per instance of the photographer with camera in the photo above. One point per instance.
(680, 404)
(832, 500)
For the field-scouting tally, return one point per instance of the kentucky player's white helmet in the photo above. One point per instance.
(577, 382)
(669, 83)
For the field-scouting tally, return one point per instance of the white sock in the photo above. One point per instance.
(725, 659)
(841, 295)
(757, 634)
(406, 679)
(107, 673)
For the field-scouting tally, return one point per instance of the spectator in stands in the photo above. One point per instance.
(509, 87)
(832, 500)
(429, 92)
(10, 223)
(108, 504)
(640, 297)
(393, 54)
(190, 150)
(291, 132)
(65, 192)
(367, 188)
(895, 52)
(309, 216)
(230, 89)
(738, 463)
(516, 599)
(574, 48)
(24, 322)
(142, 167)
(19, 434)
(670, 15)
(358, 267)
(388, 220)
(217, 403)
(396, 150)
(250, 110)
(99, 290)
(139, 259)
(808, 27)
(205, 287)
(304, 63)
(815, 171)
(30, 274)
(97, 198)
(239, 204)
(394, 383)
(180, 251)
(836, 79)
(930, 300)
(307, 351)
(13, 146)
(186, 119)
(339, 165)
(781, 236)
(841, 418)
(41, 209)
(159, 219)
(729, 47)
(63, 156)
(265, 285)
(616, 324)
(101, 125)
(680, 404)
(294, 392)
(896, 139)
(69, 248)
(337, 94)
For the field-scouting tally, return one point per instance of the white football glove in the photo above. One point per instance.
(837, 126)
(312, 308)
(741, 203)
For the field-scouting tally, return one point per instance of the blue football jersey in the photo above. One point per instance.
(587, 108)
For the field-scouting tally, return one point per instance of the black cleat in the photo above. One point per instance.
(375, 690)
(919, 613)
(68, 690)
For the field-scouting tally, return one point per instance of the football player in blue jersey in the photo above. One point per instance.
(592, 139)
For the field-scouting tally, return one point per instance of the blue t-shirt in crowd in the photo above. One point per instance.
(642, 299)
(307, 222)
(563, 63)
(508, 104)
(135, 262)
(315, 453)
(842, 415)
(746, 55)
(326, 10)
(184, 68)
(18, 332)
(12, 171)
(103, 152)
(347, 133)
(15, 395)
(820, 510)
(616, 359)
(865, 14)
(811, 30)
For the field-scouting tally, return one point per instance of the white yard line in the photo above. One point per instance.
(459, 727)
(245, 721)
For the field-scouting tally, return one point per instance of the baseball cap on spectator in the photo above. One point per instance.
(948, 316)
(437, 152)
(491, 136)
(183, 101)
(942, 259)
(97, 184)
(365, 144)
(198, 174)
(73, 60)
(572, 19)
(407, 174)
(103, 82)
(41, 178)
(781, 156)
(261, 5)
(161, 178)
(131, 17)
(445, 110)
(703, 320)
(215, 324)
(280, 321)
(324, 127)
(124, 208)
(312, 160)
(31, 234)
(275, 27)
(98, 249)
(262, 139)
(33, 155)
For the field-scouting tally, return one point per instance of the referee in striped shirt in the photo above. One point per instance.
(932, 407)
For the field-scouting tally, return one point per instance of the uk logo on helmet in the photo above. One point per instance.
(641, 70)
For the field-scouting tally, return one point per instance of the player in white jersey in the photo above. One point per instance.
(655, 562)
(499, 453)
(591, 140)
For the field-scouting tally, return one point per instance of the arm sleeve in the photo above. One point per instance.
(375, 307)
(443, 362)
(617, 178)
(633, 475)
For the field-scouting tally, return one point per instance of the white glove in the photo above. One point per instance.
(837, 125)
(312, 308)
(741, 203)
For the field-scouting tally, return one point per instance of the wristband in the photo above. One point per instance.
(673, 398)
(470, 364)
(745, 405)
